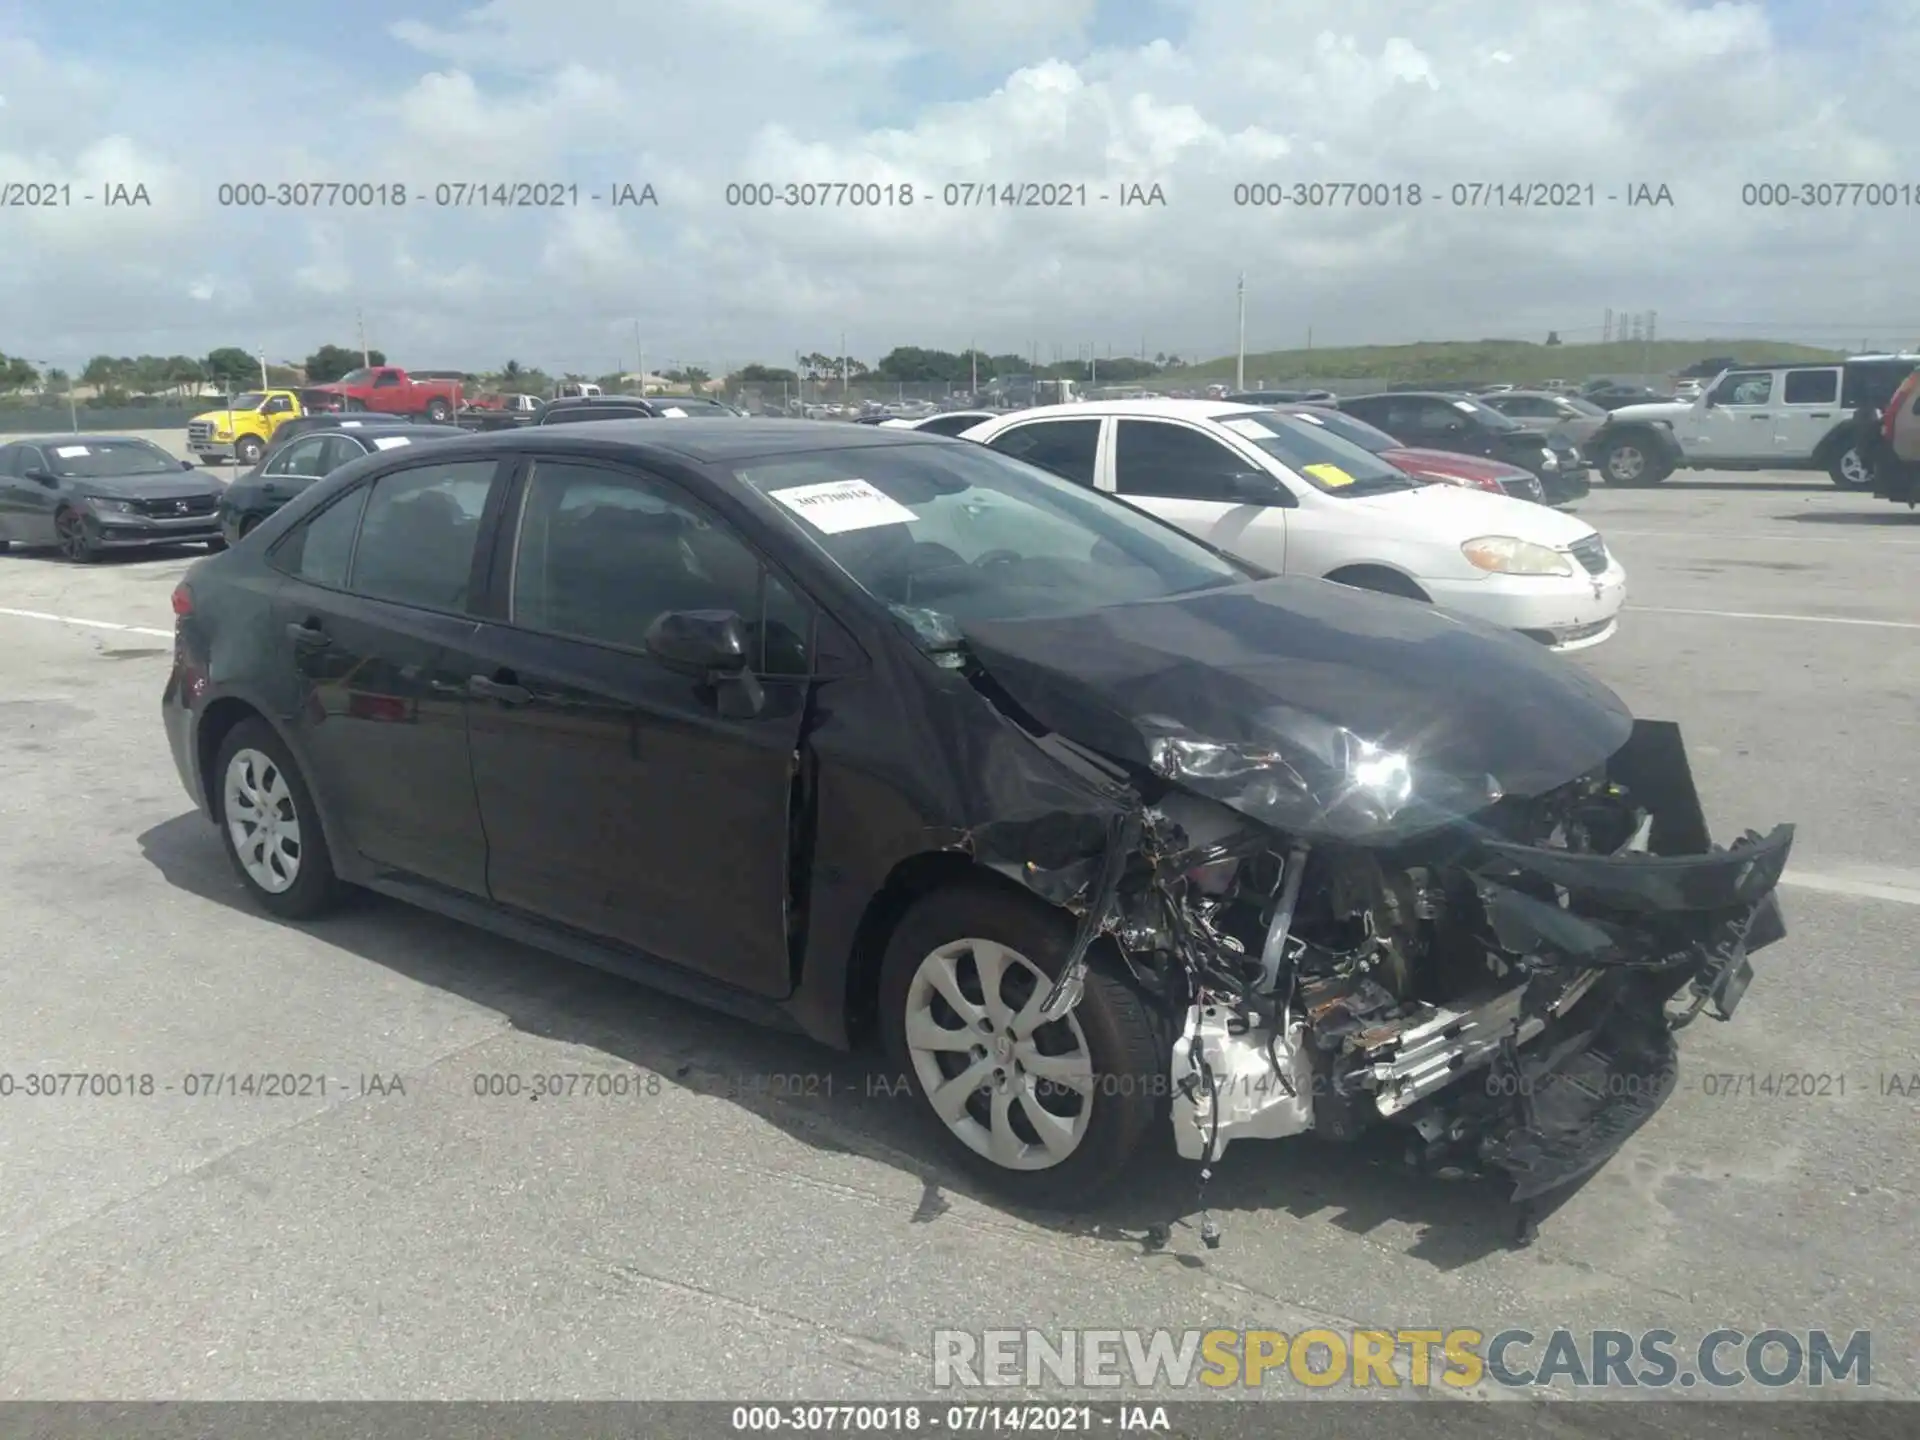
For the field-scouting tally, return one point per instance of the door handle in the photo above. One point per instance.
(503, 691)
(1821, 415)
(308, 636)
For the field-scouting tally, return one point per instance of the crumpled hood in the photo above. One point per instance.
(1317, 709)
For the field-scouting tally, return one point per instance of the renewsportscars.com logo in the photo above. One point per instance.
(1389, 1359)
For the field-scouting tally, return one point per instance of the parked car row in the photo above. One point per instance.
(1012, 754)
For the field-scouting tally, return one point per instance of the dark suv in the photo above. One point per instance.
(576, 408)
(1436, 420)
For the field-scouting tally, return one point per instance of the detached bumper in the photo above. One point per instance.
(136, 532)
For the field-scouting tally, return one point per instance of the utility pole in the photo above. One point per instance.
(1606, 328)
(360, 318)
(845, 377)
(1240, 358)
(263, 370)
(973, 361)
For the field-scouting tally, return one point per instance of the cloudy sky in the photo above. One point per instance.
(1193, 96)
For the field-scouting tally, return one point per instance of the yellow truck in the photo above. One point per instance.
(241, 433)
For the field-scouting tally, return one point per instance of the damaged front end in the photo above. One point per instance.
(1383, 867)
(1507, 987)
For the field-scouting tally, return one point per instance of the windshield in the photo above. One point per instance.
(947, 535)
(252, 400)
(102, 459)
(1327, 461)
(1584, 407)
(356, 377)
(1356, 432)
(1490, 417)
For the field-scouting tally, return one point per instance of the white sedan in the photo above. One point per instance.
(947, 422)
(1297, 500)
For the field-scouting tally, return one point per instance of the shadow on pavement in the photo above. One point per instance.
(851, 1103)
(1888, 516)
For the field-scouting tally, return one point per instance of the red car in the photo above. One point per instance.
(1444, 467)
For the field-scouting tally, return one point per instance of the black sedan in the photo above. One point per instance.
(575, 408)
(854, 729)
(1436, 420)
(291, 468)
(87, 494)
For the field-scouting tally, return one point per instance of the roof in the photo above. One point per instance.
(65, 439)
(1141, 409)
(722, 441)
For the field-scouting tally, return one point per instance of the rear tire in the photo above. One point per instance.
(261, 802)
(1849, 470)
(1381, 581)
(1097, 1077)
(438, 412)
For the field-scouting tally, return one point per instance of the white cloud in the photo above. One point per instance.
(1702, 98)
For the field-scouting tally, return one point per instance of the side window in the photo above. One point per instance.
(319, 550)
(1435, 417)
(31, 458)
(338, 450)
(601, 554)
(416, 545)
(277, 405)
(1811, 387)
(1745, 389)
(1175, 463)
(385, 378)
(1069, 448)
(302, 457)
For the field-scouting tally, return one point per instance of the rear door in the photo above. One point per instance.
(1808, 411)
(1187, 477)
(375, 618)
(619, 801)
(1067, 448)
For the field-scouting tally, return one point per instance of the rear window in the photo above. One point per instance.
(574, 414)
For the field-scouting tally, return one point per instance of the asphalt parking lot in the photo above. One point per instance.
(759, 1218)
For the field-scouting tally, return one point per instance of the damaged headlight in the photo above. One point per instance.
(1510, 555)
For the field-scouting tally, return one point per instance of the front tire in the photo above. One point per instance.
(248, 449)
(269, 826)
(1048, 1114)
(74, 539)
(1630, 464)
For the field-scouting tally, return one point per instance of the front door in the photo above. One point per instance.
(618, 799)
(1187, 477)
(373, 620)
(1734, 422)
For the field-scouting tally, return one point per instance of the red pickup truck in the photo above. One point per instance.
(389, 390)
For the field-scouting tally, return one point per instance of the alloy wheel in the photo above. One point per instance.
(1015, 1091)
(1626, 463)
(1853, 470)
(262, 823)
(70, 532)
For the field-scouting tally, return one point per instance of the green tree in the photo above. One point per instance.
(330, 362)
(231, 367)
(761, 375)
(17, 374)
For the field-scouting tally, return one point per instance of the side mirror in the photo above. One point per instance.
(1707, 401)
(1256, 487)
(186, 464)
(713, 645)
(43, 477)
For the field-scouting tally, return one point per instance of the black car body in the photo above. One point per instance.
(312, 455)
(292, 430)
(1281, 397)
(85, 494)
(1443, 420)
(573, 409)
(1099, 840)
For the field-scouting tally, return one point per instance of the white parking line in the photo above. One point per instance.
(89, 624)
(1858, 889)
(1764, 615)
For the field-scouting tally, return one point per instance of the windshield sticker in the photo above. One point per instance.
(389, 442)
(1329, 474)
(1464, 406)
(70, 452)
(673, 412)
(842, 505)
(1252, 429)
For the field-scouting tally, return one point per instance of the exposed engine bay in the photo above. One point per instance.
(1506, 988)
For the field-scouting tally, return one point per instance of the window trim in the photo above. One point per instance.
(286, 455)
(1263, 466)
(278, 563)
(1097, 421)
(501, 579)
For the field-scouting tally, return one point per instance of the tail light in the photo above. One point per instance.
(182, 600)
(1900, 397)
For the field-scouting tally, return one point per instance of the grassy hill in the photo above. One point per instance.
(1517, 361)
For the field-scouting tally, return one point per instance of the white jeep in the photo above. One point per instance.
(1753, 417)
